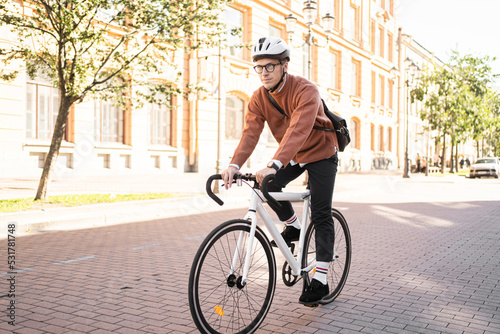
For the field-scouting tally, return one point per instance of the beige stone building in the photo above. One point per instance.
(352, 71)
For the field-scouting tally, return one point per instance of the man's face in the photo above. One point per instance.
(271, 79)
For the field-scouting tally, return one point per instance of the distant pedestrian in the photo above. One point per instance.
(462, 163)
(417, 160)
(467, 162)
(436, 160)
(424, 165)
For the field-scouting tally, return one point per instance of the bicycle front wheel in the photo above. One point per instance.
(341, 262)
(219, 300)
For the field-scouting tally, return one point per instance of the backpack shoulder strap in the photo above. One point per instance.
(276, 105)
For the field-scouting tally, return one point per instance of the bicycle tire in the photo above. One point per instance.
(218, 302)
(339, 267)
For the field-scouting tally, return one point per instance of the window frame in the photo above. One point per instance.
(237, 129)
(34, 131)
(154, 128)
(356, 78)
(119, 118)
(335, 78)
(242, 53)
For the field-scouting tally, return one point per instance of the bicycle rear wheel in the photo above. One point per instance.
(339, 267)
(218, 300)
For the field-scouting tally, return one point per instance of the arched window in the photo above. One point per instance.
(234, 117)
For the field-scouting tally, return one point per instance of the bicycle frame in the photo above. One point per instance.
(257, 206)
(233, 277)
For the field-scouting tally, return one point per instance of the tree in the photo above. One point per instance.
(104, 48)
(459, 100)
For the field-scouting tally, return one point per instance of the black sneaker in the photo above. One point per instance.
(314, 293)
(289, 234)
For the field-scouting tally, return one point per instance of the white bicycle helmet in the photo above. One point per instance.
(271, 47)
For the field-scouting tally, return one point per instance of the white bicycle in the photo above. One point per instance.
(233, 276)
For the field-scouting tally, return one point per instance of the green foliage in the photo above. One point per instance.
(459, 99)
(119, 50)
(103, 47)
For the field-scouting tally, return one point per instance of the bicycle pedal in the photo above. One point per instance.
(311, 305)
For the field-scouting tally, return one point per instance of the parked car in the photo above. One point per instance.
(485, 167)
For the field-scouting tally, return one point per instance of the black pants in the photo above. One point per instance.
(321, 178)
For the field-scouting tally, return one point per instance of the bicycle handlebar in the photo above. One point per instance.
(247, 177)
(270, 199)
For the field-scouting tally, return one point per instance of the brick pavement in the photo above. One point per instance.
(417, 267)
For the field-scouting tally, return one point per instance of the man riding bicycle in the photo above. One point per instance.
(300, 148)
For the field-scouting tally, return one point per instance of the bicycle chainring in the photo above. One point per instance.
(288, 278)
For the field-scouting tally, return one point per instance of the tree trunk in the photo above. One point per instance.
(452, 160)
(443, 157)
(55, 145)
(456, 157)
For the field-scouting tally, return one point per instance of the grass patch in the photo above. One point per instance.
(24, 204)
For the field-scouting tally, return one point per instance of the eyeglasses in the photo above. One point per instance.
(269, 68)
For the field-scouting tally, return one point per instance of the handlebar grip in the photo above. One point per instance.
(209, 188)
(270, 199)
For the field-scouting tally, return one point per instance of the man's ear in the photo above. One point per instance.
(285, 66)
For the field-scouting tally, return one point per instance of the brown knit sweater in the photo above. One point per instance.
(297, 139)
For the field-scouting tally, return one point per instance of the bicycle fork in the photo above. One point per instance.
(252, 217)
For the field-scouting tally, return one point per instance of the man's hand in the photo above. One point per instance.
(261, 174)
(228, 174)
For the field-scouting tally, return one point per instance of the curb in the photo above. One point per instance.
(108, 214)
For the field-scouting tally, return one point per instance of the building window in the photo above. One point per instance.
(372, 137)
(305, 62)
(356, 78)
(160, 124)
(373, 36)
(234, 22)
(275, 31)
(335, 70)
(390, 92)
(234, 117)
(388, 140)
(354, 20)
(389, 6)
(355, 132)
(380, 138)
(380, 46)
(42, 105)
(381, 86)
(331, 7)
(108, 122)
(389, 53)
(374, 87)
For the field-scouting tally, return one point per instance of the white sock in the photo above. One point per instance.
(293, 221)
(321, 271)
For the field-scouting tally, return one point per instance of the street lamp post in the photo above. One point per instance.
(310, 13)
(410, 70)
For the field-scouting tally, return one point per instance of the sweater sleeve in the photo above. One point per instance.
(307, 104)
(254, 124)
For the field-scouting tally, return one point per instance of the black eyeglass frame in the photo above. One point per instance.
(267, 67)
